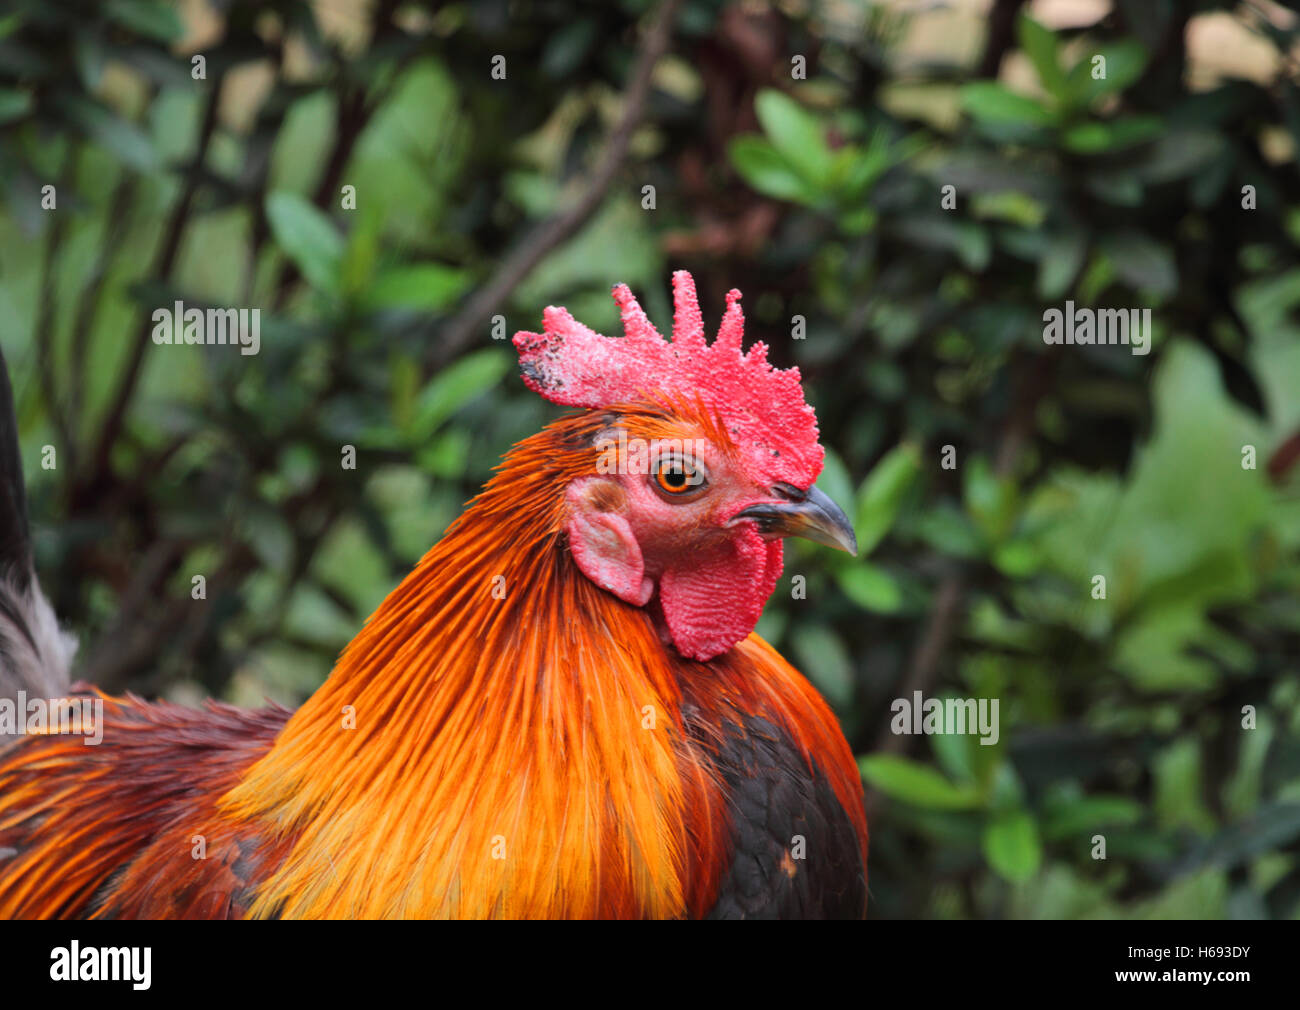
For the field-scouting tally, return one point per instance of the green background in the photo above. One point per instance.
(819, 198)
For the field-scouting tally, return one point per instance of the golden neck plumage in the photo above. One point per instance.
(498, 724)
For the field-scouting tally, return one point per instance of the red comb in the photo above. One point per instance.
(762, 407)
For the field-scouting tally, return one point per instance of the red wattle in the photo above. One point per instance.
(713, 602)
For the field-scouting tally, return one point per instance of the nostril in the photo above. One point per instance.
(789, 492)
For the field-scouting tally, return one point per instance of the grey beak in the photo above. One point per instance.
(814, 517)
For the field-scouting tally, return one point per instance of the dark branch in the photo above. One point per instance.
(460, 330)
(1002, 35)
(162, 269)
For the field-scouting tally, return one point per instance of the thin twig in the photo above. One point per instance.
(44, 335)
(950, 598)
(1001, 37)
(460, 330)
(930, 647)
(162, 269)
(351, 118)
(120, 203)
(353, 111)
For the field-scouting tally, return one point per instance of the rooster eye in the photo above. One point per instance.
(674, 477)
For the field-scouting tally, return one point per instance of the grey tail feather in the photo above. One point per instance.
(35, 656)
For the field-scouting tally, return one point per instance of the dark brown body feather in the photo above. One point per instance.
(127, 818)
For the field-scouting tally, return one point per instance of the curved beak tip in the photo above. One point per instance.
(816, 517)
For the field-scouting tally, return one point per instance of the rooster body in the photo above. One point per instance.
(561, 712)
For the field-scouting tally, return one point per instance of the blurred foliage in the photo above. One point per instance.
(918, 329)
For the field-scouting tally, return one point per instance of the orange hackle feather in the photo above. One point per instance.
(517, 756)
(502, 739)
(516, 753)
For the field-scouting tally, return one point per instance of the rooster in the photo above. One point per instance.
(562, 712)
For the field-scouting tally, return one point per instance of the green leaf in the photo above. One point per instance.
(855, 169)
(1008, 792)
(948, 529)
(1124, 63)
(881, 494)
(1198, 896)
(763, 167)
(1061, 263)
(568, 47)
(1141, 262)
(1182, 153)
(1097, 137)
(968, 240)
(954, 751)
(1008, 205)
(1178, 776)
(403, 386)
(823, 658)
(446, 455)
(455, 386)
(617, 243)
(1016, 558)
(1039, 45)
(1122, 187)
(993, 103)
(1241, 793)
(307, 236)
(122, 138)
(870, 587)
(991, 501)
(858, 221)
(13, 104)
(425, 286)
(796, 134)
(990, 624)
(834, 480)
(915, 783)
(1012, 846)
(150, 18)
(89, 56)
(1084, 816)
(356, 272)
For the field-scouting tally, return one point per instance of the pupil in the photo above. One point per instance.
(676, 477)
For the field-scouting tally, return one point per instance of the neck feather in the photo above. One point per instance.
(471, 750)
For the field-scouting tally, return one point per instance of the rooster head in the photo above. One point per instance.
(702, 457)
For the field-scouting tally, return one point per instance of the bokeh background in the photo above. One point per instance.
(818, 197)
